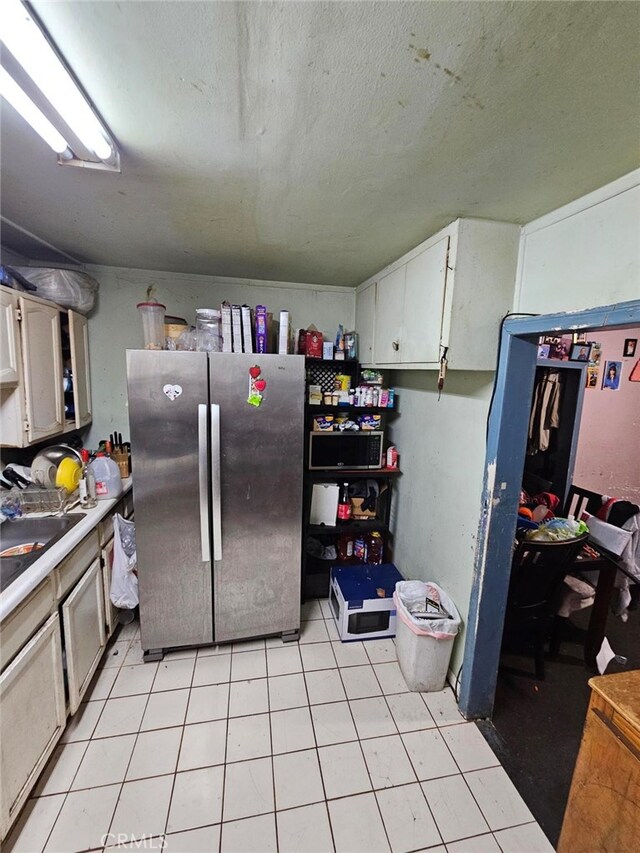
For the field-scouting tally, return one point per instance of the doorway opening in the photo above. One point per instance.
(504, 464)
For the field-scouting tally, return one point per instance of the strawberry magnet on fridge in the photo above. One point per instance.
(256, 386)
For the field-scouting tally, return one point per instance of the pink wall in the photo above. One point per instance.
(608, 456)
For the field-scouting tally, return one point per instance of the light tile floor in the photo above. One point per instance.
(262, 747)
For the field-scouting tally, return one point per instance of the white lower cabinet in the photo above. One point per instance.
(111, 612)
(84, 632)
(32, 717)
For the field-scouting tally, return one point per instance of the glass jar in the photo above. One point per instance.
(208, 328)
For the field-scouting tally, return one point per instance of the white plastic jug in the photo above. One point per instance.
(108, 481)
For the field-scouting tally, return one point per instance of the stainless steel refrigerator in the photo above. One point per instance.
(217, 485)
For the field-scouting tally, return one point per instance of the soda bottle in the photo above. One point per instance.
(344, 503)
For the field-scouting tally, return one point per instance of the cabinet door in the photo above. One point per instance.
(84, 632)
(78, 332)
(387, 344)
(32, 719)
(42, 357)
(424, 290)
(110, 611)
(9, 340)
(365, 319)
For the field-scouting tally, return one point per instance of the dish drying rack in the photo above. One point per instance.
(37, 499)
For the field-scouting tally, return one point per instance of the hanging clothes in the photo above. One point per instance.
(545, 410)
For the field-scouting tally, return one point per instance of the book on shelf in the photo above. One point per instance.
(236, 327)
(247, 329)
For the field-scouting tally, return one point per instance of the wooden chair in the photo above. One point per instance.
(580, 500)
(607, 565)
(537, 572)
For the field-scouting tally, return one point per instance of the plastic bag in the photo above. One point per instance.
(410, 600)
(124, 579)
(557, 530)
(187, 340)
(70, 288)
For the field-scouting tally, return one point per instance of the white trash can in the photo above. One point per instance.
(424, 646)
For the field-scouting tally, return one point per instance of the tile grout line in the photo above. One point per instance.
(417, 780)
(135, 743)
(66, 796)
(273, 768)
(183, 726)
(375, 799)
(317, 753)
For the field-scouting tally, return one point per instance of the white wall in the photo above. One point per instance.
(115, 325)
(437, 501)
(607, 458)
(584, 254)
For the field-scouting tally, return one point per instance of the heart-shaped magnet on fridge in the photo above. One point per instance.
(172, 391)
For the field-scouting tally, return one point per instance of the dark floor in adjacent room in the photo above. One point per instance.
(537, 725)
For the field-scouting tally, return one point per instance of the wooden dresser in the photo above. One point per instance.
(603, 810)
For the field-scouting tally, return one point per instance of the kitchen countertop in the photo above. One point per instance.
(16, 593)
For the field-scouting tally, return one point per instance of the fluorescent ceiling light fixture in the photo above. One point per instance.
(21, 102)
(23, 37)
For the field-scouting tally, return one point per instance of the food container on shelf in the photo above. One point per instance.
(152, 314)
(208, 329)
(174, 327)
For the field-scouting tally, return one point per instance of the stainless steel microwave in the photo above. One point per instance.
(329, 450)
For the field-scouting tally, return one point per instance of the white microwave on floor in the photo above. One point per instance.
(361, 601)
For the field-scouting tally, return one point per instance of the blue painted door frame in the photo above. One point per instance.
(504, 462)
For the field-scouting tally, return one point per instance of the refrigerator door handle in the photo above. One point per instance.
(205, 544)
(216, 508)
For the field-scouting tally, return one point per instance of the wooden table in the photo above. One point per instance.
(603, 810)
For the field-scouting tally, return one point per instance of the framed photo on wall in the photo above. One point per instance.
(611, 375)
(580, 351)
(630, 345)
(592, 377)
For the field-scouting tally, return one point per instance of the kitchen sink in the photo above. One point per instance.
(27, 531)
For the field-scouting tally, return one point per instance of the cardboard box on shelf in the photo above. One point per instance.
(261, 329)
(323, 423)
(324, 504)
(284, 333)
(315, 395)
(313, 345)
(358, 513)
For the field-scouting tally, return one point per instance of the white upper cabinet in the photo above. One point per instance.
(389, 317)
(79, 339)
(450, 291)
(365, 318)
(33, 352)
(9, 340)
(42, 355)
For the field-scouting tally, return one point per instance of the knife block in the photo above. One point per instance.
(122, 461)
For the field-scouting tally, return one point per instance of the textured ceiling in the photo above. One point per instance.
(317, 141)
